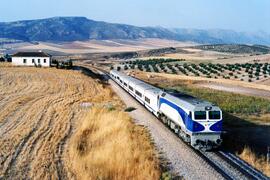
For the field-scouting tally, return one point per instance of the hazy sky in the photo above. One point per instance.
(240, 15)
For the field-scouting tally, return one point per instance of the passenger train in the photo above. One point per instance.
(196, 121)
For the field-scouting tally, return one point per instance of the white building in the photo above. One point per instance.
(31, 59)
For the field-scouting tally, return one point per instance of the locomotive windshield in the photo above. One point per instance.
(214, 115)
(200, 115)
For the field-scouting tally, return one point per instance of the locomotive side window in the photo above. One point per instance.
(214, 115)
(200, 115)
(147, 100)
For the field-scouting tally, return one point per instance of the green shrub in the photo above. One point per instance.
(130, 109)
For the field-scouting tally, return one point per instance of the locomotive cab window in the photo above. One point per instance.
(200, 115)
(214, 115)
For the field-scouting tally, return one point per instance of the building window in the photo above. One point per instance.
(45, 60)
(39, 61)
(33, 60)
(147, 100)
(24, 61)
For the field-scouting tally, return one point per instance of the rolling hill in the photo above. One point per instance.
(236, 48)
(80, 29)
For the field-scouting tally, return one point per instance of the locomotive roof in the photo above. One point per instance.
(190, 99)
(185, 99)
(145, 85)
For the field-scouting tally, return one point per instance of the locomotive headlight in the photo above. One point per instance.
(207, 108)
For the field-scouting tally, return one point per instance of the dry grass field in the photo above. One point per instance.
(47, 134)
(109, 146)
(258, 162)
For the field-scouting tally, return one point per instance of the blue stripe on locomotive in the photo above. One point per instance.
(191, 125)
(217, 126)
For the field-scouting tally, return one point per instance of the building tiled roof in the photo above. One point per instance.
(31, 54)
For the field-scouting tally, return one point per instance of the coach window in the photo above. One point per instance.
(44, 60)
(131, 88)
(121, 81)
(147, 100)
(125, 84)
(214, 115)
(38, 60)
(138, 93)
(33, 61)
(200, 115)
(24, 60)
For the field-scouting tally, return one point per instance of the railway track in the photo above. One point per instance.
(228, 165)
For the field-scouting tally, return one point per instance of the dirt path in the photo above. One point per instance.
(183, 160)
(40, 109)
(236, 89)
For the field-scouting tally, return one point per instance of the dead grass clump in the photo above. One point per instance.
(109, 146)
(259, 163)
(5, 64)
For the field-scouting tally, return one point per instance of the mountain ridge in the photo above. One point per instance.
(82, 29)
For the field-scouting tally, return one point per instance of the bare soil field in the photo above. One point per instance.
(202, 56)
(45, 131)
(98, 46)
